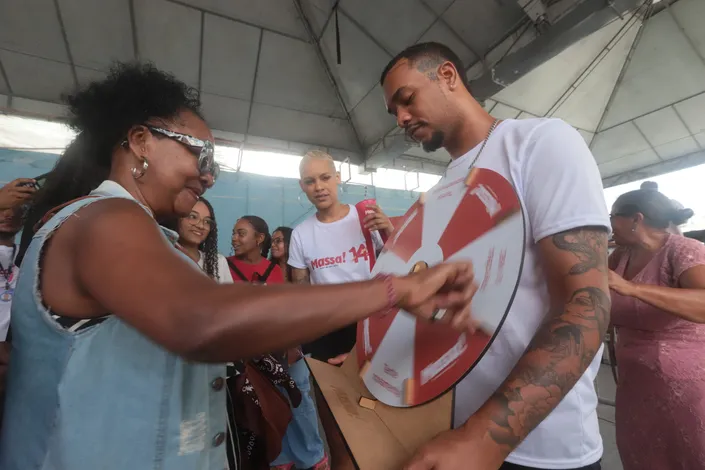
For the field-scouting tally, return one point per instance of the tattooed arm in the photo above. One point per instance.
(564, 346)
(300, 276)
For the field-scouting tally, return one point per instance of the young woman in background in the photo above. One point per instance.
(281, 237)
(302, 446)
(198, 239)
(251, 243)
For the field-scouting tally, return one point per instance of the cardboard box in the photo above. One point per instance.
(379, 437)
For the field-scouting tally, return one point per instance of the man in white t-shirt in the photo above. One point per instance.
(530, 402)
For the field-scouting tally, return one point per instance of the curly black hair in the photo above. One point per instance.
(209, 247)
(260, 226)
(102, 114)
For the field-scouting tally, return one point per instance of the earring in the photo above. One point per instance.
(139, 173)
(633, 229)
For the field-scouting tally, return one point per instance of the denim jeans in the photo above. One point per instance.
(302, 442)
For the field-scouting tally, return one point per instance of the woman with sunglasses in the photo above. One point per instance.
(198, 239)
(120, 340)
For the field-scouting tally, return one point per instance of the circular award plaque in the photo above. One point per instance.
(407, 362)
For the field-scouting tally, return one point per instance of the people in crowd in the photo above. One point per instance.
(198, 238)
(302, 446)
(530, 402)
(251, 243)
(334, 230)
(658, 309)
(10, 225)
(113, 324)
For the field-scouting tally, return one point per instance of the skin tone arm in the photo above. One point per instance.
(169, 300)
(575, 263)
(300, 276)
(565, 345)
(687, 302)
(16, 193)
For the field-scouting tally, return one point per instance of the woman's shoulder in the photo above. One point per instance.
(679, 243)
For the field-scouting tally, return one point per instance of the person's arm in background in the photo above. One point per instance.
(299, 271)
(16, 192)
(565, 205)
(687, 300)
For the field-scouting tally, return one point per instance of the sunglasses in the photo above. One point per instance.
(203, 148)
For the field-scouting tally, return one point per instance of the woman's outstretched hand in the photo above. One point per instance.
(447, 286)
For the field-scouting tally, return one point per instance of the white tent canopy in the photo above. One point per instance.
(269, 76)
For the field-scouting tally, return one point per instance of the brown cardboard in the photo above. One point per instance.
(379, 437)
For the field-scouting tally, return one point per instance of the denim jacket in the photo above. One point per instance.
(105, 397)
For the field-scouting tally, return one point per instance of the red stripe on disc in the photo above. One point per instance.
(432, 342)
(479, 201)
(408, 241)
(379, 325)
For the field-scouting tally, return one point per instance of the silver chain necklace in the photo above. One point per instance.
(484, 142)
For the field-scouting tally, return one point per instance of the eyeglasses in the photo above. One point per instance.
(204, 148)
(195, 219)
(276, 241)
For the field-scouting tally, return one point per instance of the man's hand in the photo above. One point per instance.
(17, 192)
(457, 450)
(377, 220)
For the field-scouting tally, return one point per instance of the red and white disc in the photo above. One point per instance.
(405, 362)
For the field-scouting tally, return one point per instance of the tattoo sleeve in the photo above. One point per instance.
(300, 276)
(566, 343)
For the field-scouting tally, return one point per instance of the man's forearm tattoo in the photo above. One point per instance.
(563, 347)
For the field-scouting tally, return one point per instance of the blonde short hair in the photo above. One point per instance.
(316, 155)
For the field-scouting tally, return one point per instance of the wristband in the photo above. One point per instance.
(392, 297)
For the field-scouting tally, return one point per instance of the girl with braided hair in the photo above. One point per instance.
(198, 239)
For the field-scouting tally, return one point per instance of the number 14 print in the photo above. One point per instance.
(360, 252)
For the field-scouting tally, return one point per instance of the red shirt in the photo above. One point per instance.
(251, 270)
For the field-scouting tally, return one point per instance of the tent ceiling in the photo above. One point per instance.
(268, 73)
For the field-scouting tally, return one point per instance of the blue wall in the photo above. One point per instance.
(279, 201)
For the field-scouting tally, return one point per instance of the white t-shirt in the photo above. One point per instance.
(6, 259)
(559, 187)
(333, 252)
(224, 275)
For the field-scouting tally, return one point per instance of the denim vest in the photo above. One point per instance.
(106, 397)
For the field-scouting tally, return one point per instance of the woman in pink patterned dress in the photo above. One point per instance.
(658, 309)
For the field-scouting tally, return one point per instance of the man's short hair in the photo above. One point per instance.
(427, 57)
(316, 155)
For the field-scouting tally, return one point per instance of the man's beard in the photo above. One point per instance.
(435, 142)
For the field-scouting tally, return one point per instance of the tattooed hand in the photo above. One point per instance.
(575, 263)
